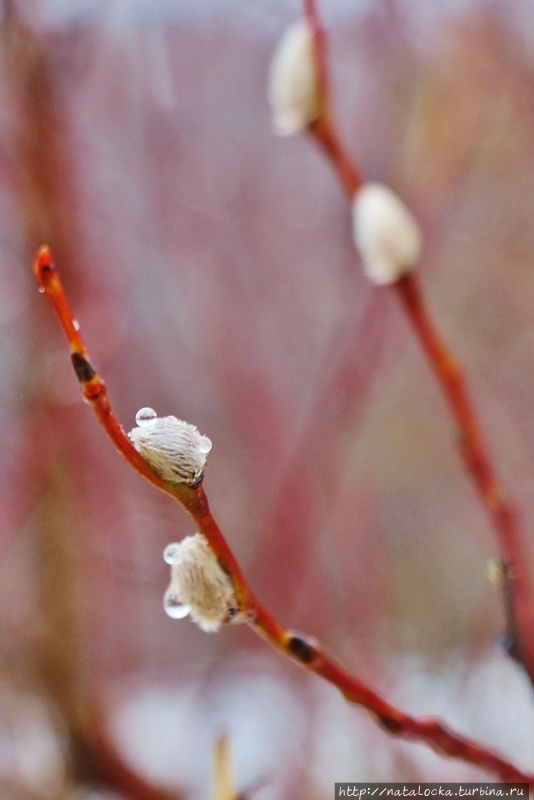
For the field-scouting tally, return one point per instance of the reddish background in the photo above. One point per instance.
(212, 270)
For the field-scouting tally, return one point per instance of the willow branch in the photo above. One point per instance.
(518, 592)
(302, 649)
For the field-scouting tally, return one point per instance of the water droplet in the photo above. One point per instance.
(171, 420)
(145, 416)
(75, 324)
(204, 444)
(41, 289)
(170, 554)
(173, 606)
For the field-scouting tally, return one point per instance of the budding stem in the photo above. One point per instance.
(299, 648)
(510, 535)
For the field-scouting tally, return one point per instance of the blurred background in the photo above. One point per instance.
(211, 268)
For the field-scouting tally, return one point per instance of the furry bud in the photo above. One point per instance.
(292, 89)
(385, 233)
(173, 448)
(199, 586)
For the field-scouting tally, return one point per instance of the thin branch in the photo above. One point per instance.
(304, 650)
(38, 157)
(95, 394)
(99, 763)
(517, 592)
(323, 129)
(509, 533)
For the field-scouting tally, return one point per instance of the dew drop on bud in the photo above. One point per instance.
(204, 444)
(41, 289)
(171, 553)
(75, 324)
(174, 607)
(145, 416)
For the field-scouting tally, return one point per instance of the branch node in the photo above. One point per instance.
(43, 265)
(304, 648)
(82, 367)
(389, 724)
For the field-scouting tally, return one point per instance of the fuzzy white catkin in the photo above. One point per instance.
(292, 88)
(173, 448)
(385, 233)
(200, 583)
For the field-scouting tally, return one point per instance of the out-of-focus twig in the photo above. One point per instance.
(99, 763)
(223, 782)
(519, 593)
(44, 190)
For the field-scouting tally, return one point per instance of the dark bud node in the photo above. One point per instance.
(390, 725)
(82, 368)
(302, 648)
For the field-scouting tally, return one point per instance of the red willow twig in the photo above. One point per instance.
(518, 591)
(323, 128)
(304, 650)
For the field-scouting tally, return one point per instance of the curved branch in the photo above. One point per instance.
(518, 592)
(304, 650)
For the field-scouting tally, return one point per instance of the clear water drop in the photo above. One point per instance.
(145, 416)
(41, 289)
(173, 606)
(204, 444)
(170, 554)
(171, 420)
(75, 324)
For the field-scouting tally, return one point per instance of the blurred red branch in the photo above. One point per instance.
(504, 516)
(98, 762)
(304, 650)
(323, 128)
(45, 194)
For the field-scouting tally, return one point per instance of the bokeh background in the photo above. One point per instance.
(211, 268)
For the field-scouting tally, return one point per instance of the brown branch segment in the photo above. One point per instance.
(304, 650)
